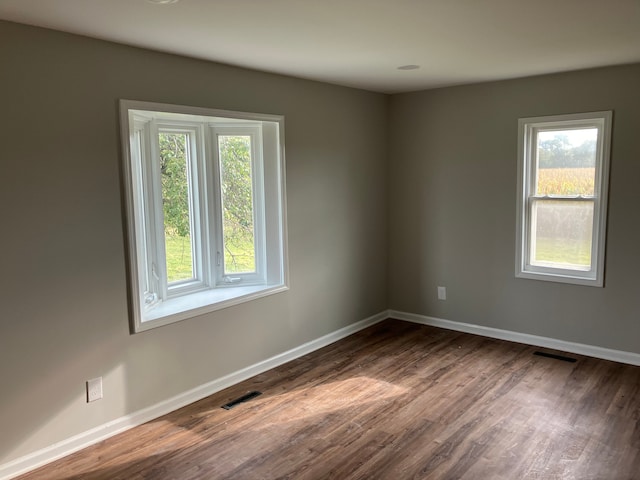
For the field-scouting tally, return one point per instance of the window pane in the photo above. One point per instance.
(566, 161)
(237, 203)
(175, 204)
(562, 234)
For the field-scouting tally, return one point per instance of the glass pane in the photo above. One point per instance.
(561, 234)
(237, 203)
(566, 161)
(175, 204)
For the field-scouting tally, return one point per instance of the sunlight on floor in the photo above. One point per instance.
(328, 397)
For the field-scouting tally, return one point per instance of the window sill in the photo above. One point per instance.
(199, 303)
(561, 278)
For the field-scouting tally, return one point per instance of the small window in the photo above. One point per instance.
(205, 209)
(562, 201)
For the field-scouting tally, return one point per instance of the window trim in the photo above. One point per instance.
(527, 170)
(189, 298)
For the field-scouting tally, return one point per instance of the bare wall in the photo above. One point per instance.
(453, 208)
(63, 308)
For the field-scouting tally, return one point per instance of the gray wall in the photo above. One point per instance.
(453, 208)
(63, 302)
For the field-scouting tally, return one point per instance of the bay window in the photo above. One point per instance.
(205, 203)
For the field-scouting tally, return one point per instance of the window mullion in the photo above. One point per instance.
(193, 175)
(259, 205)
(156, 218)
(215, 228)
(201, 196)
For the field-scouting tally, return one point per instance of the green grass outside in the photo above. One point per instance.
(563, 251)
(239, 259)
(179, 262)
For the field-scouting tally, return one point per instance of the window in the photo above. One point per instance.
(562, 197)
(205, 207)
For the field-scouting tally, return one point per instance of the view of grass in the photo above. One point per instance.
(179, 261)
(238, 257)
(563, 251)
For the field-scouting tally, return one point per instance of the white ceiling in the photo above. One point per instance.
(360, 43)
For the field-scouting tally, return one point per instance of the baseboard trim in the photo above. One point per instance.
(579, 348)
(61, 449)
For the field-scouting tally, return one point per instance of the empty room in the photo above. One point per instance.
(357, 239)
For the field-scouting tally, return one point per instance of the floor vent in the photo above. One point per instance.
(242, 399)
(557, 357)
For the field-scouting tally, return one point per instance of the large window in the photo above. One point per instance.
(562, 197)
(205, 207)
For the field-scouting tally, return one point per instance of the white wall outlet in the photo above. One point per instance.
(94, 389)
(442, 293)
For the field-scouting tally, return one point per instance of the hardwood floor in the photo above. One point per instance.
(396, 401)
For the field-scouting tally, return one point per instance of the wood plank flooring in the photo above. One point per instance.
(396, 401)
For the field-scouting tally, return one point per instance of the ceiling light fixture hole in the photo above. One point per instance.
(162, 2)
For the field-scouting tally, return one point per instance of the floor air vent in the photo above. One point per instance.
(242, 399)
(554, 356)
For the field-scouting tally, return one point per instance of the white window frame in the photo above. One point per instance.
(196, 166)
(255, 133)
(528, 129)
(153, 300)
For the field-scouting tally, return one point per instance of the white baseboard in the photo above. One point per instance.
(58, 450)
(579, 348)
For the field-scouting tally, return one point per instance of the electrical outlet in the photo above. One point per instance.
(94, 389)
(442, 293)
